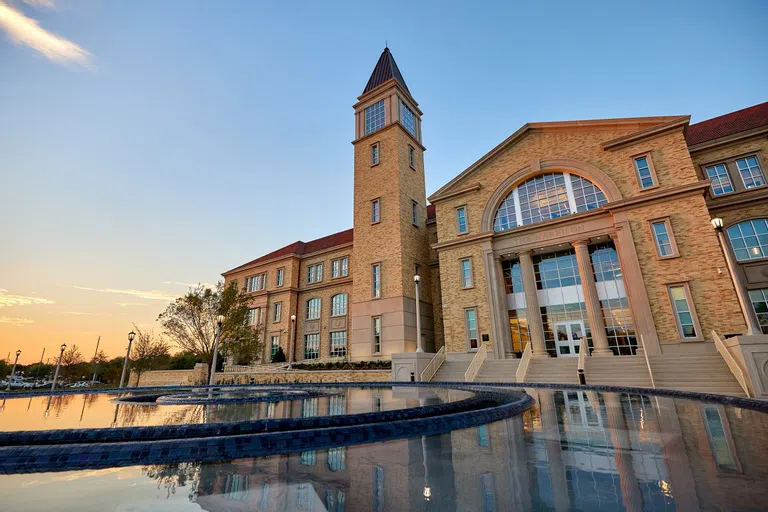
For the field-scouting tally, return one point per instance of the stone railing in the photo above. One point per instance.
(647, 362)
(580, 366)
(474, 367)
(434, 365)
(255, 368)
(734, 365)
(522, 368)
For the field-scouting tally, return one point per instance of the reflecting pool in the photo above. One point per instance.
(573, 450)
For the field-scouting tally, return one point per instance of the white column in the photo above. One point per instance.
(533, 311)
(591, 300)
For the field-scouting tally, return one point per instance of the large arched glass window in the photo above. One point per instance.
(313, 309)
(749, 239)
(547, 196)
(339, 304)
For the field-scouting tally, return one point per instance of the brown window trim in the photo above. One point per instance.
(378, 153)
(456, 219)
(471, 273)
(668, 221)
(691, 305)
(737, 182)
(412, 150)
(649, 157)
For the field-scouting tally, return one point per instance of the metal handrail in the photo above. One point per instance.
(477, 362)
(580, 366)
(522, 368)
(733, 365)
(647, 362)
(431, 369)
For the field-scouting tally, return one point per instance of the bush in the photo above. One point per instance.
(279, 356)
(184, 361)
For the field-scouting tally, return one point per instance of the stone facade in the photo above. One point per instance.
(305, 376)
(198, 375)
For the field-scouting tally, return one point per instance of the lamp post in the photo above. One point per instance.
(13, 371)
(290, 347)
(417, 282)
(58, 367)
(219, 321)
(131, 335)
(37, 373)
(753, 325)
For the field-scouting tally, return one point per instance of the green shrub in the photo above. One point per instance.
(279, 356)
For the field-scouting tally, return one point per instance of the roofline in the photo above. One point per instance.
(727, 139)
(659, 129)
(382, 87)
(286, 256)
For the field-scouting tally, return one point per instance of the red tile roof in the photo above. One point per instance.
(728, 124)
(431, 212)
(300, 248)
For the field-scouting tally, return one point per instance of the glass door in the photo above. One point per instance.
(568, 337)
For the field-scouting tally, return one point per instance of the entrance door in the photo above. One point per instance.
(568, 336)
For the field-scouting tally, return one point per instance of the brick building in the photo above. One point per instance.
(597, 230)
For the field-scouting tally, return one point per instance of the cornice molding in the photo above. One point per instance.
(654, 131)
(459, 192)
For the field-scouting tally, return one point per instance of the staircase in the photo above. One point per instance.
(618, 371)
(553, 370)
(451, 371)
(498, 370)
(705, 373)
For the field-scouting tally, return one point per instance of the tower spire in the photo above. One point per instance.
(385, 69)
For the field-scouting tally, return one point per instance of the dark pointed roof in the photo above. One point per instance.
(385, 69)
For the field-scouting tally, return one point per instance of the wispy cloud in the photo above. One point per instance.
(84, 313)
(139, 294)
(131, 304)
(7, 300)
(24, 30)
(15, 321)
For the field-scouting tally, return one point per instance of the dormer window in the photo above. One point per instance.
(407, 118)
(374, 117)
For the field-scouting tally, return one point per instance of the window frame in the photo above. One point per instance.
(375, 154)
(306, 344)
(468, 338)
(463, 208)
(272, 347)
(376, 210)
(760, 167)
(471, 273)
(376, 343)
(705, 169)
(732, 168)
(651, 169)
(315, 273)
(370, 108)
(262, 282)
(756, 235)
(277, 312)
(412, 157)
(414, 213)
(309, 309)
(692, 309)
(672, 242)
(280, 277)
(376, 293)
(331, 345)
(346, 304)
(404, 107)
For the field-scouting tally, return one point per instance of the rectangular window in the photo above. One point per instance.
(376, 280)
(376, 327)
(256, 283)
(759, 300)
(470, 320)
(750, 172)
(315, 273)
(277, 311)
(259, 315)
(466, 273)
(461, 219)
(488, 488)
(374, 153)
(339, 304)
(374, 117)
(251, 316)
(664, 238)
(339, 344)
(375, 211)
(414, 213)
(408, 119)
(684, 314)
(721, 182)
(275, 345)
(646, 176)
(311, 346)
(482, 436)
(719, 436)
(313, 309)
(335, 269)
(344, 266)
(412, 157)
(279, 277)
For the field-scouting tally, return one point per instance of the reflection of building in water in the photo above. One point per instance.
(575, 450)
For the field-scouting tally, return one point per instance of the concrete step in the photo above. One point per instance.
(451, 371)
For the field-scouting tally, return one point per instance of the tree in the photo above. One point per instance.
(98, 361)
(71, 361)
(148, 352)
(279, 356)
(183, 361)
(190, 322)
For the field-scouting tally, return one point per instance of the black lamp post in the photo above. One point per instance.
(131, 335)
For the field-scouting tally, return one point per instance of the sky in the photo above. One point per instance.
(150, 145)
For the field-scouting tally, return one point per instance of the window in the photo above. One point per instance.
(461, 219)
(759, 300)
(313, 309)
(414, 213)
(344, 266)
(720, 440)
(335, 272)
(664, 238)
(470, 320)
(374, 153)
(721, 182)
(276, 312)
(279, 277)
(334, 502)
(646, 176)
(306, 459)
(311, 346)
(376, 280)
(749, 239)
(340, 267)
(466, 273)
(408, 119)
(750, 172)
(337, 460)
(339, 304)
(412, 157)
(686, 319)
(374, 117)
(275, 345)
(315, 273)
(547, 196)
(488, 489)
(339, 344)
(256, 283)
(482, 436)
(376, 335)
(375, 211)
(251, 316)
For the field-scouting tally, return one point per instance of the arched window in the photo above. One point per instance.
(749, 239)
(547, 196)
(339, 304)
(313, 309)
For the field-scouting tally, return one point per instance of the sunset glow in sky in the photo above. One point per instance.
(146, 146)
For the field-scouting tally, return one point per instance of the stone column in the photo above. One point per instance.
(592, 301)
(533, 311)
(501, 337)
(631, 496)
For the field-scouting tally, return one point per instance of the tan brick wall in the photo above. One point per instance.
(309, 376)
(325, 294)
(755, 145)
(198, 375)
